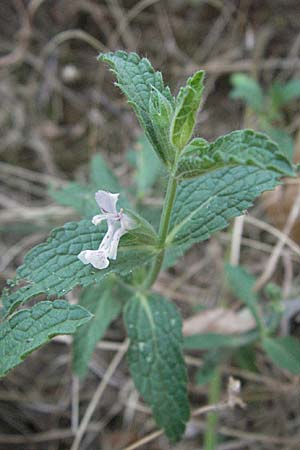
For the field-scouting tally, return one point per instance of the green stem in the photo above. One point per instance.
(210, 436)
(163, 230)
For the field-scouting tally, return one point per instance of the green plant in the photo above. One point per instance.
(282, 351)
(268, 106)
(117, 256)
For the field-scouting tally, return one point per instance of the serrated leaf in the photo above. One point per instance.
(206, 204)
(247, 89)
(187, 105)
(105, 306)
(284, 352)
(11, 300)
(137, 80)
(239, 148)
(54, 268)
(156, 362)
(30, 328)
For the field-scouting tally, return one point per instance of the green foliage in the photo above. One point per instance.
(208, 341)
(205, 205)
(284, 352)
(54, 268)
(81, 197)
(239, 148)
(187, 105)
(148, 166)
(242, 283)
(155, 360)
(227, 176)
(30, 328)
(247, 89)
(268, 106)
(105, 305)
(139, 82)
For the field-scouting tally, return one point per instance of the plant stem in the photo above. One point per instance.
(163, 230)
(210, 436)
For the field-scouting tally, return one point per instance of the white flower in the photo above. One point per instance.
(118, 224)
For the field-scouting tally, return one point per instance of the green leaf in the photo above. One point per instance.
(283, 139)
(137, 80)
(211, 361)
(156, 362)
(239, 148)
(161, 112)
(78, 197)
(284, 352)
(105, 306)
(248, 90)
(281, 94)
(187, 105)
(54, 268)
(148, 166)
(102, 177)
(241, 284)
(30, 328)
(209, 341)
(82, 197)
(206, 204)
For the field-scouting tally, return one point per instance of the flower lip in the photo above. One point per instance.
(118, 223)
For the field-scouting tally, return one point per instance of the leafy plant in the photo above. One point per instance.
(282, 351)
(118, 263)
(268, 106)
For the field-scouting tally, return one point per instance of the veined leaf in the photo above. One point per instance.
(239, 148)
(105, 306)
(205, 205)
(284, 352)
(247, 89)
(187, 105)
(137, 80)
(30, 328)
(54, 268)
(156, 362)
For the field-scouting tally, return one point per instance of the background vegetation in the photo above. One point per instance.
(59, 108)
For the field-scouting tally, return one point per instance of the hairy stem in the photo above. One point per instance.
(163, 230)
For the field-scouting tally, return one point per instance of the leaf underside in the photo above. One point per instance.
(156, 362)
(28, 329)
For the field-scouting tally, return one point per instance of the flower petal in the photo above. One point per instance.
(100, 217)
(107, 201)
(98, 258)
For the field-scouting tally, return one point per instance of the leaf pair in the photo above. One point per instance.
(168, 124)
